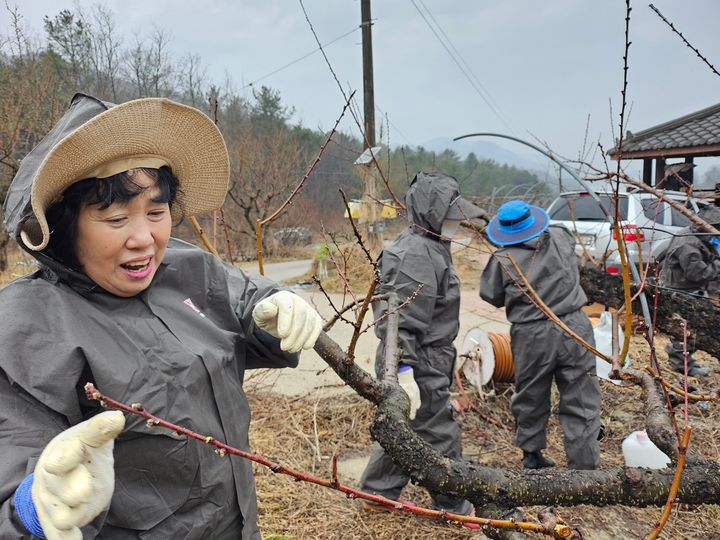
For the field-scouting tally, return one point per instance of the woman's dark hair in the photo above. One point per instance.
(119, 188)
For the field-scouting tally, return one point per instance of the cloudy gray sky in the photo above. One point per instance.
(532, 69)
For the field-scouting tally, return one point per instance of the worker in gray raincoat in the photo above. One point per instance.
(428, 325)
(146, 318)
(541, 351)
(691, 265)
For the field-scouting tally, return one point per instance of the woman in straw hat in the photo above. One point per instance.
(541, 351)
(118, 302)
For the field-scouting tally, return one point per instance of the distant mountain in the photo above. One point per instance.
(485, 149)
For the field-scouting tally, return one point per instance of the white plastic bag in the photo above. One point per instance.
(603, 343)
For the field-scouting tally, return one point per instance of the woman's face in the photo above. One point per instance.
(121, 247)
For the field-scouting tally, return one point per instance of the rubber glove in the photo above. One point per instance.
(288, 317)
(406, 379)
(74, 477)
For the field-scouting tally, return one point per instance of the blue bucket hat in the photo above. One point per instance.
(517, 222)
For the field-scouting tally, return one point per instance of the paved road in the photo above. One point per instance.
(282, 272)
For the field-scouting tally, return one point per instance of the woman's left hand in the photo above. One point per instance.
(290, 318)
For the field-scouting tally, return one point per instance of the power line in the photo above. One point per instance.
(478, 87)
(390, 124)
(467, 66)
(303, 57)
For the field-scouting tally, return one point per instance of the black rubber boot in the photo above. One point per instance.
(535, 460)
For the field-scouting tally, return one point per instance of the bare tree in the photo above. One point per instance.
(264, 168)
(150, 66)
(106, 52)
(192, 80)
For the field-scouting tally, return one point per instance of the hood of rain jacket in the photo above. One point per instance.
(419, 265)
(17, 210)
(428, 200)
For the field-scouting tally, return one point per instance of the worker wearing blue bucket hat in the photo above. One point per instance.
(541, 351)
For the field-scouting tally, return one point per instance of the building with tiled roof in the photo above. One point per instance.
(690, 136)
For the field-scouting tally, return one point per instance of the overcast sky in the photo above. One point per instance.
(538, 68)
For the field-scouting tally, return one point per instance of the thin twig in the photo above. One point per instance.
(405, 303)
(697, 52)
(338, 312)
(679, 391)
(205, 240)
(674, 486)
(223, 449)
(226, 232)
(359, 320)
(357, 234)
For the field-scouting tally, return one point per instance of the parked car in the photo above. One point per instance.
(293, 236)
(646, 222)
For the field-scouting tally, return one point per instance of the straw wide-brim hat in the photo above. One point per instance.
(148, 132)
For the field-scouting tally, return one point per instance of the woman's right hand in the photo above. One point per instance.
(74, 477)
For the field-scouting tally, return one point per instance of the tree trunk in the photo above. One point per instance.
(701, 314)
(507, 488)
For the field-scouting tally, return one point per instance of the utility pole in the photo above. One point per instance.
(370, 220)
(368, 90)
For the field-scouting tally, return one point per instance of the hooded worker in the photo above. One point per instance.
(428, 325)
(542, 351)
(692, 264)
(145, 317)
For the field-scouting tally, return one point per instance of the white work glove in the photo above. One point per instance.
(406, 379)
(74, 477)
(288, 317)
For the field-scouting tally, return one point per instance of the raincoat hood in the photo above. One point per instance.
(17, 210)
(429, 198)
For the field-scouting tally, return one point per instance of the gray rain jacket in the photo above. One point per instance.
(420, 257)
(180, 348)
(690, 263)
(552, 272)
(541, 351)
